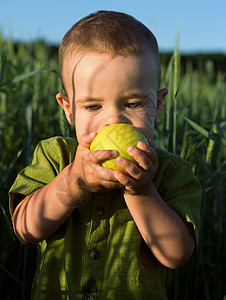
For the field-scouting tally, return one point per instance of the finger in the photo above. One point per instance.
(152, 144)
(112, 185)
(128, 182)
(86, 139)
(130, 168)
(143, 157)
(105, 178)
(143, 146)
(98, 156)
(104, 173)
(104, 185)
(150, 151)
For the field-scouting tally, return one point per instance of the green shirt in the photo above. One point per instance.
(98, 253)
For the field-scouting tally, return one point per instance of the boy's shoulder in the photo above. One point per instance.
(173, 169)
(57, 149)
(172, 159)
(58, 144)
(59, 141)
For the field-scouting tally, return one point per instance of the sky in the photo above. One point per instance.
(198, 25)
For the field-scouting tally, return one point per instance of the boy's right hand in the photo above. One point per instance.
(91, 176)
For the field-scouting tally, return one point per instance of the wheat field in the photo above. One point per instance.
(192, 124)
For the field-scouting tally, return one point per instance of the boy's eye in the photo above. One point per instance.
(93, 107)
(132, 105)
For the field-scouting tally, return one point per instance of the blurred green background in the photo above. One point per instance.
(192, 124)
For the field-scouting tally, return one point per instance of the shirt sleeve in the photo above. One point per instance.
(49, 159)
(181, 190)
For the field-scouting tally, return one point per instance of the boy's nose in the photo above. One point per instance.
(114, 118)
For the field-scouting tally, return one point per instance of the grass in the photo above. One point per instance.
(192, 124)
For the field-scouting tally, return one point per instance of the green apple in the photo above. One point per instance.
(117, 137)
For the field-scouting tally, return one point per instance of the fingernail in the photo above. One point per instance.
(140, 144)
(119, 159)
(113, 153)
(117, 173)
(91, 134)
(130, 149)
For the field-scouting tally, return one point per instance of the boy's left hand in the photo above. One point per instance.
(137, 178)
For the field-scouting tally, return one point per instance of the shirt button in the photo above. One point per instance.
(88, 297)
(100, 211)
(94, 254)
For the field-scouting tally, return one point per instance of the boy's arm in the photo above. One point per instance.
(168, 236)
(38, 215)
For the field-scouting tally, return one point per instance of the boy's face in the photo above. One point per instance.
(102, 90)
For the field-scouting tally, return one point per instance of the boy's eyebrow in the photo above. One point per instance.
(139, 95)
(128, 96)
(89, 99)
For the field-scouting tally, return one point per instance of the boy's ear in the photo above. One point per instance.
(63, 100)
(161, 94)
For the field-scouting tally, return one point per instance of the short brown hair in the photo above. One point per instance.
(108, 32)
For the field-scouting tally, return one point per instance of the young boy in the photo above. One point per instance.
(107, 234)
